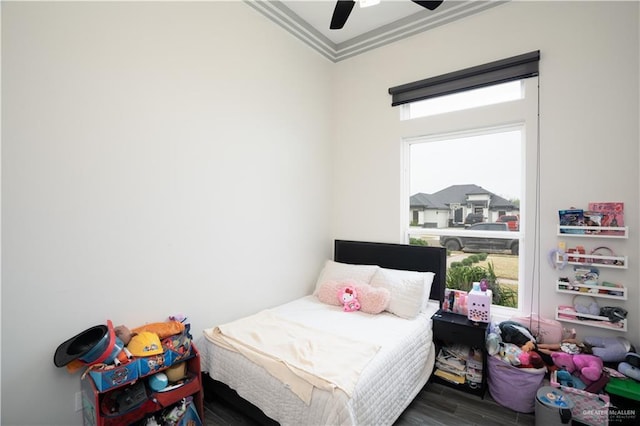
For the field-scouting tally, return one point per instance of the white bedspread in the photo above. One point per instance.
(300, 356)
(388, 383)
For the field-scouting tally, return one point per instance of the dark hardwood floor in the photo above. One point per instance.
(435, 405)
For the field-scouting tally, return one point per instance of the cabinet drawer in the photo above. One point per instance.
(458, 333)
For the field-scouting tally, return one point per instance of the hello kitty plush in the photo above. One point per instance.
(349, 298)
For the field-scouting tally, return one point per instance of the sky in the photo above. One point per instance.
(492, 161)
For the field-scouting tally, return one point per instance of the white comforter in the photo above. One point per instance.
(301, 357)
(388, 383)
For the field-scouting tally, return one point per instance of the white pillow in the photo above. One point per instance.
(409, 290)
(336, 271)
(428, 281)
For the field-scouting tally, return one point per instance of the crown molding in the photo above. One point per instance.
(406, 27)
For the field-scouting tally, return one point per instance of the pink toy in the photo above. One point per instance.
(373, 300)
(587, 368)
(349, 298)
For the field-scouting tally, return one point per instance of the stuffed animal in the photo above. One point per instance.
(349, 298)
(373, 300)
(511, 353)
(586, 305)
(520, 357)
(631, 366)
(588, 368)
(609, 349)
(531, 359)
(569, 380)
(123, 333)
(516, 333)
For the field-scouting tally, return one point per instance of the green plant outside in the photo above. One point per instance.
(418, 242)
(462, 275)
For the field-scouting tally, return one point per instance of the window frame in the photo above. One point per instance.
(519, 113)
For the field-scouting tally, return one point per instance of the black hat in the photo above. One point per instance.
(79, 345)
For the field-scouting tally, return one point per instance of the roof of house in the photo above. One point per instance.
(456, 194)
(427, 200)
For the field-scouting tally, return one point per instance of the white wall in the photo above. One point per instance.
(589, 96)
(157, 158)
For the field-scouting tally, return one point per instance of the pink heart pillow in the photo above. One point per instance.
(373, 300)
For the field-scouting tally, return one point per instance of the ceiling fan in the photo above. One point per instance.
(343, 10)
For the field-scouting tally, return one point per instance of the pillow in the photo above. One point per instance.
(428, 281)
(409, 290)
(328, 292)
(372, 300)
(336, 271)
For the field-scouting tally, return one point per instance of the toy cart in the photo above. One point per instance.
(589, 408)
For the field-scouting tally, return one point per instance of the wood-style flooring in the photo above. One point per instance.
(435, 405)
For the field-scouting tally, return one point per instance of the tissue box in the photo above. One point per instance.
(479, 306)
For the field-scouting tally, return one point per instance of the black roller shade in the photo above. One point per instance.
(502, 71)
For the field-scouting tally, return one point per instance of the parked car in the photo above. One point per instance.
(473, 218)
(469, 242)
(512, 220)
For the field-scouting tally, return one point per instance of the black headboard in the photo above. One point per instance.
(397, 256)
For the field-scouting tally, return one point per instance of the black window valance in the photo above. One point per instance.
(502, 71)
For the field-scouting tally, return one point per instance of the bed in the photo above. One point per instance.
(392, 350)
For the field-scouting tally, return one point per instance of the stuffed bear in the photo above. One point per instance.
(349, 298)
(123, 333)
(587, 368)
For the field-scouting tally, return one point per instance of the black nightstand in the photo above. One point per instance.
(450, 329)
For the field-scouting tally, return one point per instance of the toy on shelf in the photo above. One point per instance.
(156, 368)
(605, 289)
(96, 345)
(569, 314)
(600, 220)
(573, 218)
(611, 213)
(601, 256)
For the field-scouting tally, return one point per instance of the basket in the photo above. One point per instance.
(513, 387)
(589, 408)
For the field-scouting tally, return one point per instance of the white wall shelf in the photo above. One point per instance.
(593, 231)
(597, 260)
(567, 315)
(601, 291)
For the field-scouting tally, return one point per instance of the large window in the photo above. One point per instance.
(469, 184)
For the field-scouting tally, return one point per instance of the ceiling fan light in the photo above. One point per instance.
(367, 3)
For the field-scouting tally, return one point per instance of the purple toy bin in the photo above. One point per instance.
(513, 387)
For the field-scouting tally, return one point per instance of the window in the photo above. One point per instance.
(469, 181)
(481, 172)
(464, 100)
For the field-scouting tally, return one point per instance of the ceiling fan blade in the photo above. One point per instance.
(341, 13)
(431, 5)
